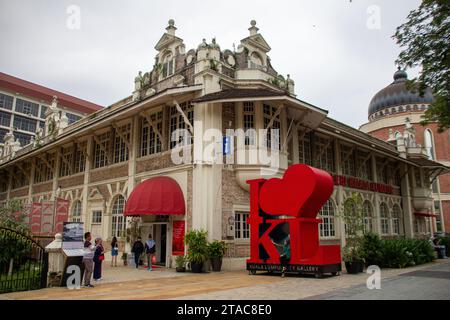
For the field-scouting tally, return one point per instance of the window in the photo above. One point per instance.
(3, 132)
(66, 162)
(168, 65)
(20, 178)
(429, 144)
(256, 62)
(417, 177)
(25, 124)
(347, 160)
(80, 157)
(382, 174)
(327, 227)
(120, 146)
(96, 217)
(150, 140)
(72, 117)
(364, 166)
(101, 150)
(42, 171)
(241, 228)
(43, 111)
(6, 101)
(5, 119)
(350, 211)
(118, 219)
(384, 219)
(27, 107)
(272, 137)
(249, 123)
(325, 154)
(368, 216)
(304, 147)
(397, 220)
(76, 212)
(23, 138)
(177, 123)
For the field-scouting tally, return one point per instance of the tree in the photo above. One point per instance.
(12, 216)
(425, 39)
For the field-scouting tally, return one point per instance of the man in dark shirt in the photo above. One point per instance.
(138, 248)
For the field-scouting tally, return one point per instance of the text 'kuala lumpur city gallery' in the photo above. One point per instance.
(162, 143)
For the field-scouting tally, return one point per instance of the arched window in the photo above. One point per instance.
(327, 227)
(368, 216)
(429, 144)
(350, 211)
(256, 61)
(168, 65)
(384, 219)
(76, 212)
(397, 220)
(118, 219)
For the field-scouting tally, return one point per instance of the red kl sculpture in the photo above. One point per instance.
(284, 229)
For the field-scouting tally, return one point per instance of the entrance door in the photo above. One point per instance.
(159, 234)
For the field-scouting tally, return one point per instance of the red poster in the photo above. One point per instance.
(35, 219)
(62, 214)
(178, 238)
(47, 218)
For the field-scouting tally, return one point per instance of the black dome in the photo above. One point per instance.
(396, 94)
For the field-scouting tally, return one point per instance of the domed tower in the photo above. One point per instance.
(395, 113)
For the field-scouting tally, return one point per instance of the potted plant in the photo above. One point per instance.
(125, 258)
(197, 243)
(353, 252)
(216, 251)
(180, 262)
(353, 257)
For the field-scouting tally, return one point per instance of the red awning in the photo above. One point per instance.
(156, 196)
(428, 215)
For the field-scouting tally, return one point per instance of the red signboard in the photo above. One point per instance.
(178, 238)
(35, 219)
(356, 183)
(46, 220)
(62, 214)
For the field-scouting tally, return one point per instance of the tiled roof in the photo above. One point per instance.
(39, 92)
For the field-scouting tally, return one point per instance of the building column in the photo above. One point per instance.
(376, 203)
(56, 174)
(207, 174)
(295, 144)
(30, 186)
(408, 214)
(10, 179)
(87, 169)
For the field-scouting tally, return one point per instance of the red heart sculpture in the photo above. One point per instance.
(301, 192)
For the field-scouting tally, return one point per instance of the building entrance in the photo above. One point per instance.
(159, 234)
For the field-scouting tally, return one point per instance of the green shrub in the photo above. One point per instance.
(197, 243)
(396, 253)
(373, 249)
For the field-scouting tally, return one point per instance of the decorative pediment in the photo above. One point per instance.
(167, 40)
(257, 41)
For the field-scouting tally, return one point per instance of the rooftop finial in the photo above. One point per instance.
(171, 28)
(253, 29)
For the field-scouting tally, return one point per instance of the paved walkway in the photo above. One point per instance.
(126, 283)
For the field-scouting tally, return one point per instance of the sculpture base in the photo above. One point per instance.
(317, 270)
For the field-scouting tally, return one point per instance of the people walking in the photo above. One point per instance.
(99, 256)
(114, 252)
(88, 257)
(150, 250)
(138, 249)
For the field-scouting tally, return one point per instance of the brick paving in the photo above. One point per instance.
(127, 283)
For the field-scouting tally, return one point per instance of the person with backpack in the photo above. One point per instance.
(150, 250)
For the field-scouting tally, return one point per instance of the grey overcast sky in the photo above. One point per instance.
(337, 62)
